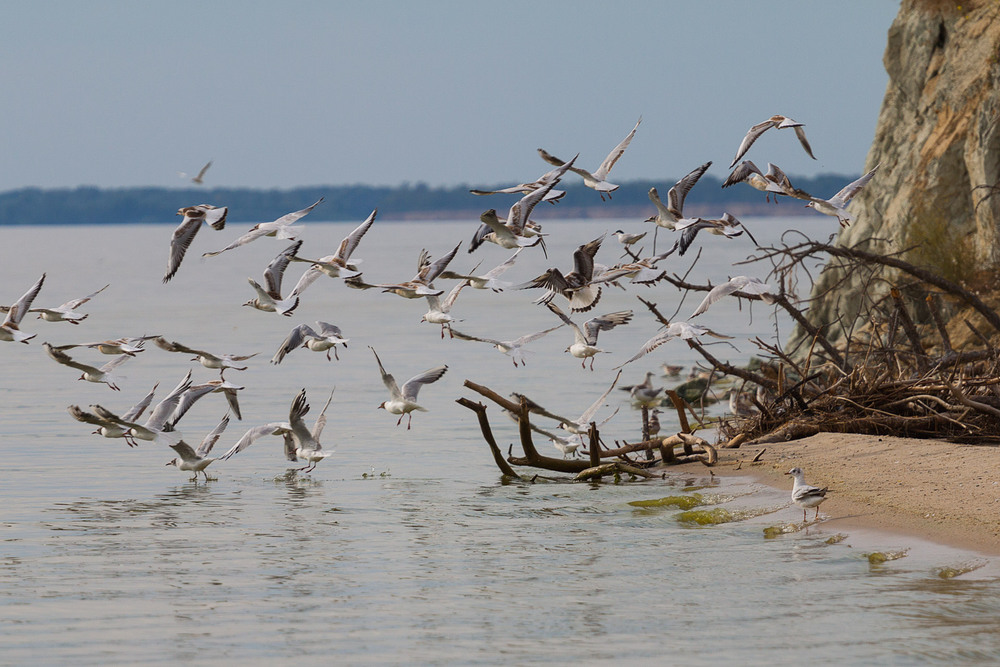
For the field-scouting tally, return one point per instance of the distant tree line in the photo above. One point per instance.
(92, 205)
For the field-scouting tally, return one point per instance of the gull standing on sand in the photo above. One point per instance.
(197, 460)
(738, 285)
(836, 205)
(269, 300)
(806, 496)
(780, 122)
(569, 446)
(10, 328)
(109, 428)
(103, 374)
(67, 311)
(585, 344)
(339, 264)
(576, 285)
(644, 393)
(512, 348)
(206, 359)
(181, 240)
(597, 180)
(403, 399)
(325, 339)
(281, 228)
(516, 231)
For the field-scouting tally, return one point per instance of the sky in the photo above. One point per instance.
(443, 92)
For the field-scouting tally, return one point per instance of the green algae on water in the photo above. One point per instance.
(680, 502)
(705, 517)
(879, 557)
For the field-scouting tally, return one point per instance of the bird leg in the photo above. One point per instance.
(409, 420)
(400, 420)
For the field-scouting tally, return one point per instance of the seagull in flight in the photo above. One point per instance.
(836, 205)
(67, 311)
(738, 285)
(585, 340)
(324, 338)
(439, 312)
(490, 279)
(281, 228)
(780, 122)
(197, 460)
(668, 216)
(103, 374)
(678, 329)
(512, 348)
(114, 429)
(421, 285)
(181, 240)
(575, 285)
(206, 359)
(597, 180)
(10, 328)
(339, 264)
(403, 400)
(269, 300)
(200, 178)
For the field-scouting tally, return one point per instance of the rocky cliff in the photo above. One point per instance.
(938, 141)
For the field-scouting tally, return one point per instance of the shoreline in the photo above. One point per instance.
(933, 490)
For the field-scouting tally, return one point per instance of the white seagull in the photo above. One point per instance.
(581, 425)
(421, 285)
(549, 177)
(199, 179)
(103, 374)
(157, 427)
(668, 216)
(585, 344)
(682, 330)
(339, 264)
(439, 312)
(113, 429)
(325, 339)
(490, 279)
(10, 328)
(517, 231)
(512, 348)
(130, 346)
(575, 285)
(198, 460)
(281, 228)
(181, 240)
(597, 180)
(645, 393)
(727, 226)
(67, 311)
(196, 391)
(780, 122)
(300, 442)
(269, 300)
(806, 496)
(206, 359)
(403, 400)
(836, 205)
(735, 285)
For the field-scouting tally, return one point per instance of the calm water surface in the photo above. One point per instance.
(407, 545)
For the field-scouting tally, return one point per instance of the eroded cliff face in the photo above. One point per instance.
(937, 139)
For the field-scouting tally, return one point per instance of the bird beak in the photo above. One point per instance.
(381, 406)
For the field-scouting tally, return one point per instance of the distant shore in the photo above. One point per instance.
(936, 490)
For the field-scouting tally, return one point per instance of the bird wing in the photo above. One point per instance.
(351, 241)
(276, 269)
(213, 437)
(81, 415)
(580, 337)
(609, 161)
(76, 303)
(174, 346)
(387, 379)
(752, 135)
(527, 338)
(801, 134)
(181, 240)
(433, 270)
(295, 216)
(841, 199)
(463, 336)
(187, 399)
(676, 195)
(165, 408)
(327, 330)
(66, 360)
(501, 268)
(583, 257)
(294, 340)
(18, 310)
(600, 323)
(412, 386)
(589, 413)
(201, 173)
(741, 173)
(301, 435)
(553, 160)
(253, 434)
(449, 300)
(136, 410)
(519, 213)
(184, 451)
(321, 420)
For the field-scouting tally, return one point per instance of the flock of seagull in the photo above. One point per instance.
(564, 292)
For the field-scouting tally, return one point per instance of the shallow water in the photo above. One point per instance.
(406, 545)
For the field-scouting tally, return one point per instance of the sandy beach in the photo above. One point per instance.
(939, 491)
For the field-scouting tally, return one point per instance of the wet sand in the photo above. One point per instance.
(938, 491)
